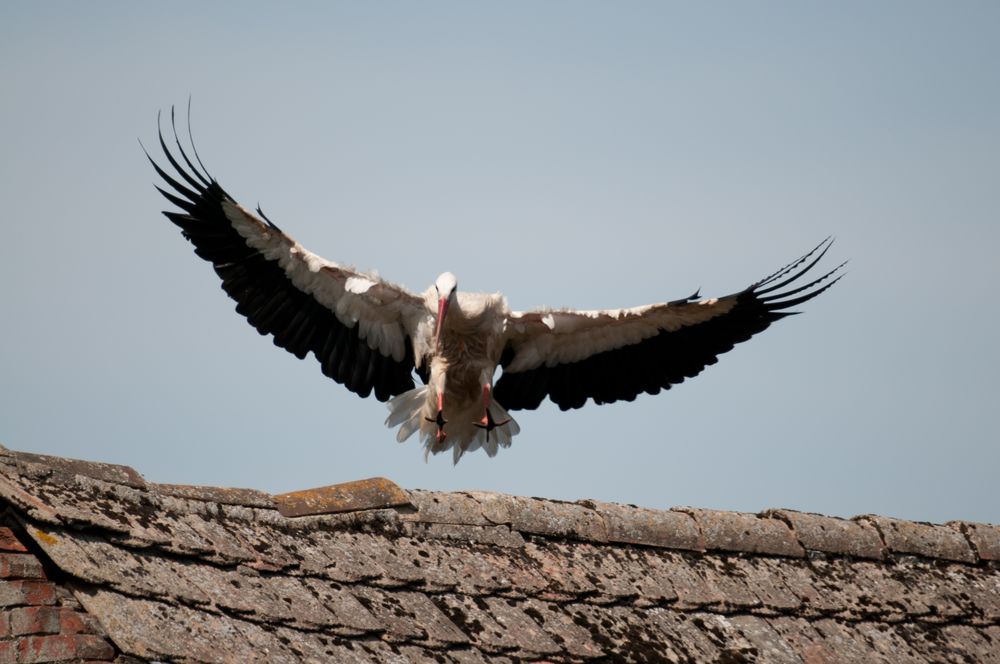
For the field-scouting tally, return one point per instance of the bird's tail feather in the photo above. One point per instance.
(410, 412)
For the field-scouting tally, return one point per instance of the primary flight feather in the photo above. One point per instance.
(372, 336)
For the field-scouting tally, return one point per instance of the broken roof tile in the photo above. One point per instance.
(752, 533)
(984, 538)
(828, 534)
(922, 539)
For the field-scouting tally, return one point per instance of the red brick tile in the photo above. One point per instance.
(9, 541)
(48, 620)
(35, 620)
(20, 566)
(34, 593)
(58, 647)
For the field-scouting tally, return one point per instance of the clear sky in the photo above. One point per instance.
(579, 154)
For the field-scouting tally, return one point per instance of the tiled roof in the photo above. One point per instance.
(373, 573)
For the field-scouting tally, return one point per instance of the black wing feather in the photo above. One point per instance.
(668, 358)
(263, 292)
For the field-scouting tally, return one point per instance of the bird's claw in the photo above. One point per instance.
(440, 422)
(489, 423)
(438, 419)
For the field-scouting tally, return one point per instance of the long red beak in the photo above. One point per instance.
(442, 312)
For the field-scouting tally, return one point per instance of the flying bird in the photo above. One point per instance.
(374, 337)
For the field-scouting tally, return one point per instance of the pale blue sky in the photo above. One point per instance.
(566, 153)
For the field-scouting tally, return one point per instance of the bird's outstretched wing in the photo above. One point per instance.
(612, 355)
(358, 326)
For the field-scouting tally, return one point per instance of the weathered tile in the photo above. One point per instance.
(344, 606)
(848, 644)
(827, 647)
(693, 589)
(662, 528)
(408, 616)
(156, 630)
(721, 574)
(628, 634)
(451, 508)
(921, 539)
(887, 642)
(573, 638)
(134, 571)
(346, 557)
(34, 507)
(474, 569)
(769, 645)
(984, 538)
(471, 656)
(831, 535)
(734, 531)
(581, 570)
(802, 580)
(863, 589)
(107, 472)
(763, 577)
(213, 494)
(967, 644)
(543, 517)
(319, 648)
(654, 586)
(495, 535)
(496, 624)
(980, 589)
(531, 638)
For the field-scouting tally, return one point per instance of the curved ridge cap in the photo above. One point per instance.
(771, 532)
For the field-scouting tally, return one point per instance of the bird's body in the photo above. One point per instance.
(372, 335)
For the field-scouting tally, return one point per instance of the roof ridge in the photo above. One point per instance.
(499, 517)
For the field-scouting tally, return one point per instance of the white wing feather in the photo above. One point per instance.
(385, 313)
(560, 336)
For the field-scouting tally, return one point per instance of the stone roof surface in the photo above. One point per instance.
(129, 570)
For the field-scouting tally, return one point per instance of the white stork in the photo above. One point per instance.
(372, 336)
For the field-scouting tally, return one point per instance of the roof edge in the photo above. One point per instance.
(771, 532)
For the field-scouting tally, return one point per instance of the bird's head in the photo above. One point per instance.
(446, 286)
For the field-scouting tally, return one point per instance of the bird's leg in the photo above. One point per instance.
(439, 418)
(487, 421)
